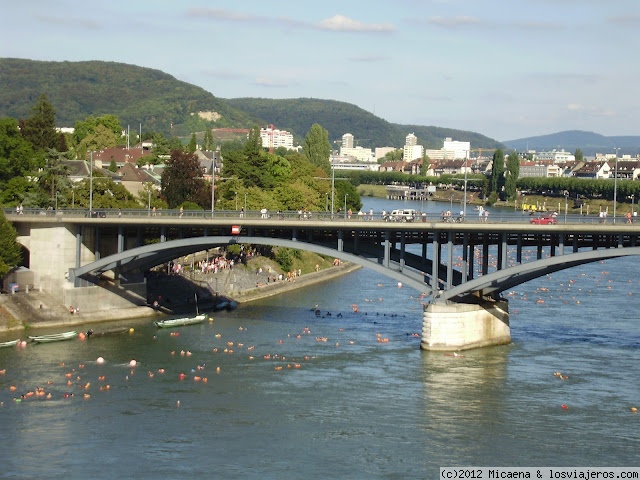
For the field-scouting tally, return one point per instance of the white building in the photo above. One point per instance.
(459, 149)
(273, 138)
(556, 156)
(358, 154)
(380, 152)
(412, 151)
(347, 140)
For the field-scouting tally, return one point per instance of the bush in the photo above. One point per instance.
(284, 257)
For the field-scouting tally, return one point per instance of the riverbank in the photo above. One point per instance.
(543, 202)
(38, 310)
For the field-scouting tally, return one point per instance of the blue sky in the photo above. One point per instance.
(504, 68)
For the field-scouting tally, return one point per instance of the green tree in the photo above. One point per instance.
(578, 155)
(193, 144)
(182, 180)
(208, 144)
(317, 147)
(512, 174)
(496, 181)
(16, 153)
(10, 250)
(40, 128)
(55, 176)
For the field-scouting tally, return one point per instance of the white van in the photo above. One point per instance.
(402, 215)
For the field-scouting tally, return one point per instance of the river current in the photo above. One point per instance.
(272, 391)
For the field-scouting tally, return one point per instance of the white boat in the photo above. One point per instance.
(54, 337)
(10, 343)
(179, 322)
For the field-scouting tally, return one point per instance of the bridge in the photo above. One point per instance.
(99, 261)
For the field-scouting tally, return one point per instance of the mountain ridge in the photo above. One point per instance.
(570, 140)
(160, 102)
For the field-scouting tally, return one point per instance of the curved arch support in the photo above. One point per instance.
(154, 254)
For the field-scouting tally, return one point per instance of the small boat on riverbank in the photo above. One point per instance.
(10, 343)
(226, 305)
(114, 331)
(54, 337)
(179, 322)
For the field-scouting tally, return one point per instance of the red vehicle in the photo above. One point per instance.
(546, 219)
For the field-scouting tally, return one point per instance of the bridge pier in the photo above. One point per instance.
(463, 326)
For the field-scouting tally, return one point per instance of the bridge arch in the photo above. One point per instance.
(491, 284)
(497, 282)
(154, 254)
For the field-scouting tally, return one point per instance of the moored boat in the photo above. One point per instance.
(179, 322)
(104, 333)
(10, 343)
(54, 337)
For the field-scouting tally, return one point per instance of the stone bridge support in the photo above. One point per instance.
(461, 326)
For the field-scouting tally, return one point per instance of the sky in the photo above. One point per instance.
(506, 69)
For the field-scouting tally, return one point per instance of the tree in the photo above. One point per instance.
(512, 173)
(55, 175)
(497, 172)
(578, 155)
(193, 144)
(317, 147)
(40, 128)
(16, 152)
(182, 180)
(208, 144)
(10, 251)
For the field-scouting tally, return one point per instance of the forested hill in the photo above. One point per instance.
(297, 115)
(160, 102)
(135, 94)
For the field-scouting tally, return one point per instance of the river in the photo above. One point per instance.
(272, 391)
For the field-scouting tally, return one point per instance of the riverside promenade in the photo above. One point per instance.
(35, 309)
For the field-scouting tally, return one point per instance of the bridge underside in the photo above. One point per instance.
(450, 264)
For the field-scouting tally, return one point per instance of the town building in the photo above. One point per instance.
(412, 150)
(274, 138)
(556, 156)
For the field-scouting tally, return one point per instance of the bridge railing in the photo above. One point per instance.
(495, 216)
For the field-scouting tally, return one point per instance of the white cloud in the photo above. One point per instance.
(454, 21)
(340, 23)
(270, 83)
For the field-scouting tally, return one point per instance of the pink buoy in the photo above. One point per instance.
(133, 363)
(99, 360)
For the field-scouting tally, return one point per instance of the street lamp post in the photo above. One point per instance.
(345, 205)
(91, 185)
(333, 183)
(236, 201)
(326, 202)
(633, 210)
(566, 205)
(149, 203)
(615, 186)
(213, 185)
(245, 203)
(464, 206)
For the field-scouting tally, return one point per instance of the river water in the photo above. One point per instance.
(272, 391)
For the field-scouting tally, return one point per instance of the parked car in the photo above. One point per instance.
(402, 215)
(545, 219)
(96, 214)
